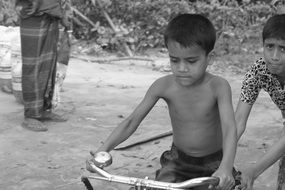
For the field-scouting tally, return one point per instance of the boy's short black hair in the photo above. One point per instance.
(274, 28)
(191, 29)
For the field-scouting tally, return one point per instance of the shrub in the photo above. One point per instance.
(140, 23)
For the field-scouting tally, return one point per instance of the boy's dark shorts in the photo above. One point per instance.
(176, 166)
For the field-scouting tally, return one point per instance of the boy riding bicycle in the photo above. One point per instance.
(200, 108)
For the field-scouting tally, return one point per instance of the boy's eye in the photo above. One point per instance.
(269, 46)
(191, 61)
(172, 60)
(282, 49)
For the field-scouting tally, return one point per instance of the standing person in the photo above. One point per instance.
(267, 73)
(200, 108)
(39, 31)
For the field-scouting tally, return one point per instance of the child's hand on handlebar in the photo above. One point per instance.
(226, 182)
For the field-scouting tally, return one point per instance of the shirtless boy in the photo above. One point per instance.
(200, 108)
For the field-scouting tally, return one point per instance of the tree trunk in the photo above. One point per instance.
(281, 174)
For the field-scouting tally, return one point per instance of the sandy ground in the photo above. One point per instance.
(96, 97)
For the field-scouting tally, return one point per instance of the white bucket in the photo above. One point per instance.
(9, 37)
(17, 82)
(16, 62)
(5, 58)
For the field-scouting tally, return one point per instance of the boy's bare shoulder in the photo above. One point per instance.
(218, 82)
(164, 81)
(162, 84)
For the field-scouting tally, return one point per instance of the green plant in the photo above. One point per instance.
(140, 23)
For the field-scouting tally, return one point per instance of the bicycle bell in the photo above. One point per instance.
(102, 159)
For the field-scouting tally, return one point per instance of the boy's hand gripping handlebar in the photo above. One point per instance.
(103, 159)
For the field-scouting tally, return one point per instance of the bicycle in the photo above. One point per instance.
(103, 159)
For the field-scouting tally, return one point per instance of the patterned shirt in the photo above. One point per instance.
(257, 78)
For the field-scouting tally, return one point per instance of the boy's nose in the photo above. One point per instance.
(183, 67)
(275, 55)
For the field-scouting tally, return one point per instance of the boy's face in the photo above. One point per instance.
(187, 64)
(274, 55)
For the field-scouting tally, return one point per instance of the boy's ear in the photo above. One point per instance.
(211, 57)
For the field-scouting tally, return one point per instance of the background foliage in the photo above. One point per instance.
(140, 23)
(8, 16)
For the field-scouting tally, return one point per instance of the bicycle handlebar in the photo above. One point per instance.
(147, 183)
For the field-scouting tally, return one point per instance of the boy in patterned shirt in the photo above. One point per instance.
(268, 73)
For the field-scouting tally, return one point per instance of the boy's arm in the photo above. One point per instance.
(241, 115)
(229, 133)
(131, 123)
(228, 124)
(250, 89)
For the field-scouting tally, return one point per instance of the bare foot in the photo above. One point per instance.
(34, 125)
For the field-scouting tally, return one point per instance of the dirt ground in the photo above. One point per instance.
(96, 97)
